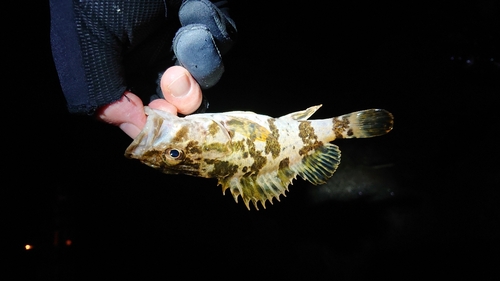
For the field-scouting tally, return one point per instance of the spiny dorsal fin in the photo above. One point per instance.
(301, 115)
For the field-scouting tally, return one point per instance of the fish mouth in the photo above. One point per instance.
(136, 148)
(155, 123)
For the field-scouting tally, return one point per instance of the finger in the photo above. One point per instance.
(163, 105)
(126, 113)
(181, 90)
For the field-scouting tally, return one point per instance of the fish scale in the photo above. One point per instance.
(255, 156)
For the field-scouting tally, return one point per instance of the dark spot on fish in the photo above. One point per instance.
(309, 138)
(181, 134)
(216, 146)
(154, 157)
(234, 122)
(285, 163)
(157, 122)
(311, 147)
(272, 143)
(245, 169)
(191, 161)
(285, 174)
(341, 126)
(238, 145)
(213, 128)
(193, 148)
(306, 132)
(259, 160)
(221, 168)
(189, 167)
(258, 164)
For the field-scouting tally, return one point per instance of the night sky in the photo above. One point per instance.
(420, 202)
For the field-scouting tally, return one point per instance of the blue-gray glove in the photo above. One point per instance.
(206, 34)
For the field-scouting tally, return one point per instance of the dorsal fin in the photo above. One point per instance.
(301, 115)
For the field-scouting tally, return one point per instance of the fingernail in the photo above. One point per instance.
(180, 86)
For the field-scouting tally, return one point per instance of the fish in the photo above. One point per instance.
(253, 155)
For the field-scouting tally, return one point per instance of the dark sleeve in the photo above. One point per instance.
(67, 54)
(101, 48)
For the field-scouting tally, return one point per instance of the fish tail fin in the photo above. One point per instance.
(363, 124)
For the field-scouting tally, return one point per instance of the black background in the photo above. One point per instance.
(420, 202)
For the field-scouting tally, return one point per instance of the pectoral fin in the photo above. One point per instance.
(320, 165)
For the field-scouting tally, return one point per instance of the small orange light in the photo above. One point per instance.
(68, 242)
(28, 247)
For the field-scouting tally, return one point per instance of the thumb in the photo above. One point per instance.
(181, 90)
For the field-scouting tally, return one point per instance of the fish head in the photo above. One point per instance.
(177, 145)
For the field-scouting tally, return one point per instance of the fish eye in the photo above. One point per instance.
(175, 154)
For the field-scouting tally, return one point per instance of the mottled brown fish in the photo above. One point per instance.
(255, 156)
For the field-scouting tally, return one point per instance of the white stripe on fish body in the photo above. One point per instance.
(255, 156)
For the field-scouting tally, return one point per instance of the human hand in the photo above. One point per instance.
(181, 92)
(112, 74)
(206, 34)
